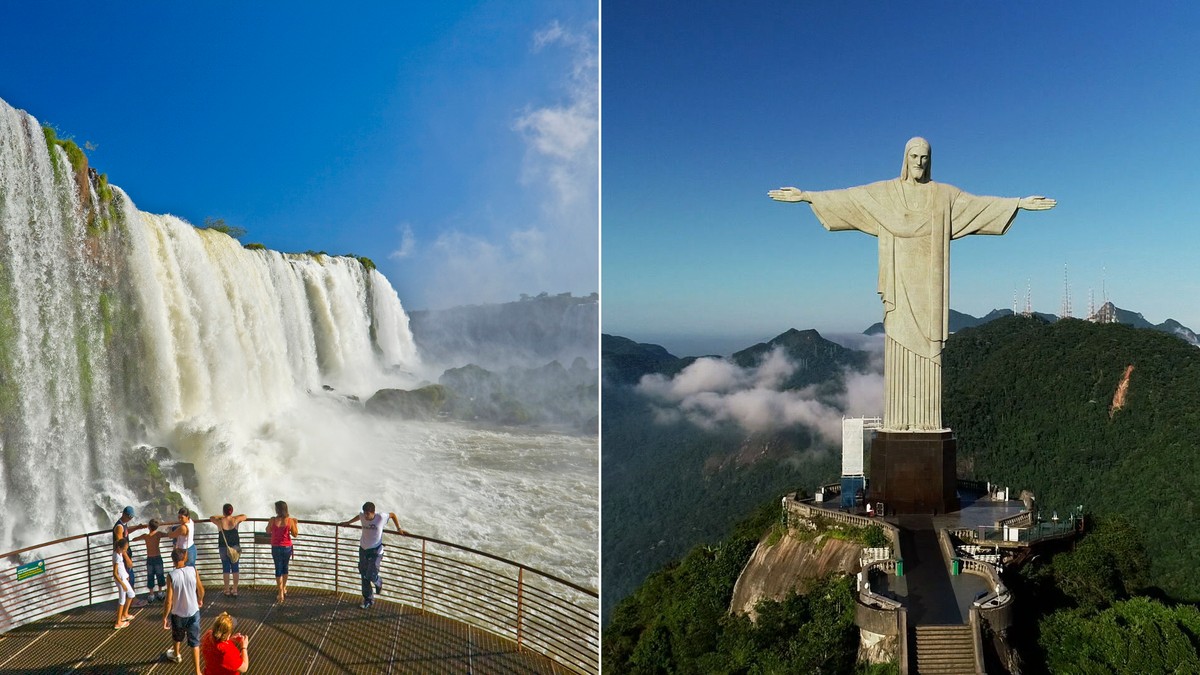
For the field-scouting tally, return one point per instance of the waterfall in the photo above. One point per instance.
(119, 328)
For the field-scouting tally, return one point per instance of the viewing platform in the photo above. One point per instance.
(444, 609)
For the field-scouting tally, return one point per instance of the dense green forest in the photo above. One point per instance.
(1081, 609)
(1031, 404)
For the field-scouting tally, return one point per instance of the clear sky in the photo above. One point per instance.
(706, 106)
(453, 143)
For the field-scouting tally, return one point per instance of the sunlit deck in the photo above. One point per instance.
(314, 631)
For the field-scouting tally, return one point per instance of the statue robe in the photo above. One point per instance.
(914, 284)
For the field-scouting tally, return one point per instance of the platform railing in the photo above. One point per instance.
(538, 611)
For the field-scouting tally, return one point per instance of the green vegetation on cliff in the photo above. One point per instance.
(219, 225)
(1085, 610)
(678, 620)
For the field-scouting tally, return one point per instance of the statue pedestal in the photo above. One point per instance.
(914, 471)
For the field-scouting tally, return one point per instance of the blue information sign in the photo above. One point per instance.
(31, 570)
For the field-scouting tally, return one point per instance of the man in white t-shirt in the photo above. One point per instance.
(181, 609)
(370, 549)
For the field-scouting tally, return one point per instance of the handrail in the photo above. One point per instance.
(539, 611)
(805, 508)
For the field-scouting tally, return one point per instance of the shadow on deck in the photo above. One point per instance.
(313, 632)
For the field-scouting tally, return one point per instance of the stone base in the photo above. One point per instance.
(914, 471)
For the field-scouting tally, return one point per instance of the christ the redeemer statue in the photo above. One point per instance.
(914, 219)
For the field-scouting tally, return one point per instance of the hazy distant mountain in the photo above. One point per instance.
(526, 333)
(623, 361)
(816, 358)
(1108, 313)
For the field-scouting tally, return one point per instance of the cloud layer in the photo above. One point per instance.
(712, 391)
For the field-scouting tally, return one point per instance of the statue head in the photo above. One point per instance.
(918, 160)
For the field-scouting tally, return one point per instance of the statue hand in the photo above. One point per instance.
(1036, 203)
(787, 194)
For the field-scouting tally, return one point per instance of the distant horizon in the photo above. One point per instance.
(682, 344)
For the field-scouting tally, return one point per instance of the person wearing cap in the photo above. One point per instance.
(370, 549)
(121, 530)
(184, 535)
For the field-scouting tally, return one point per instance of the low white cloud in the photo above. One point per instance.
(407, 243)
(555, 247)
(711, 391)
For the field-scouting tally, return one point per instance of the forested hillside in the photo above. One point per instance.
(1032, 405)
(669, 484)
(1035, 406)
(677, 621)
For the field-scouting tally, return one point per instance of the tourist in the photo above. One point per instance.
(124, 585)
(185, 536)
(155, 574)
(224, 652)
(370, 549)
(122, 530)
(281, 528)
(181, 611)
(229, 546)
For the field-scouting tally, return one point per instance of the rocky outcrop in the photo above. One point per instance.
(777, 569)
(417, 404)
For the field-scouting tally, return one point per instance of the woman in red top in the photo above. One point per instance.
(281, 528)
(224, 653)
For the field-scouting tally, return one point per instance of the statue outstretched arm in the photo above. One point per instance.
(789, 194)
(1036, 203)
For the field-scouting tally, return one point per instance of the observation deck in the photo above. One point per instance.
(444, 608)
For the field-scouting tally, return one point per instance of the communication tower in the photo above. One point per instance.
(1066, 303)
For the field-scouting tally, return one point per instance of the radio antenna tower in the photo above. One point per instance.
(1066, 303)
(1028, 297)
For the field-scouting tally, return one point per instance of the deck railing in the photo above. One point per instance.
(536, 610)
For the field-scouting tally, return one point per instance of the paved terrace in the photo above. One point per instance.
(444, 609)
(932, 595)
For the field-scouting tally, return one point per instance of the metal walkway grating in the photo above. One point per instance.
(313, 632)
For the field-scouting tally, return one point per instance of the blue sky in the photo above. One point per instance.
(453, 143)
(706, 106)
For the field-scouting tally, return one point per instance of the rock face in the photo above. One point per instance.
(775, 570)
(417, 404)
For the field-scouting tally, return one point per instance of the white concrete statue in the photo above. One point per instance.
(914, 219)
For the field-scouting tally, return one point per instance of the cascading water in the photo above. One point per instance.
(120, 328)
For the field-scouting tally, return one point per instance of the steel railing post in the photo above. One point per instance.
(88, 544)
(423, 542)
(337, 559)
(520, 592)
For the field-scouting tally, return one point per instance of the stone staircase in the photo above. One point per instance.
(945, 650)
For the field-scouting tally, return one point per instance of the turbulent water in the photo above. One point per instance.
(121, 328)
